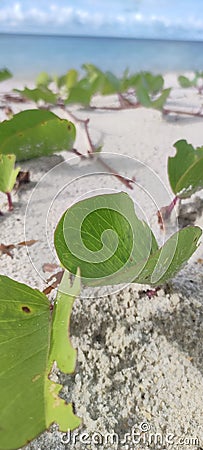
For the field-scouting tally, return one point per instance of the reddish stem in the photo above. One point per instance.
(165, 212)
(91, 152)
(171, 206)
(152, 292)
(126, 181)
(10, 203)
(92, 148)
(167, 111)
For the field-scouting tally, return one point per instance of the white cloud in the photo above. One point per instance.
(77, 20)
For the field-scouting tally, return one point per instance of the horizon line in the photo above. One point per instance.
(33, 34)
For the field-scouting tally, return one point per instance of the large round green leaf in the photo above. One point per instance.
(103, 236)
(33, 133)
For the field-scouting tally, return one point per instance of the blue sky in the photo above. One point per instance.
(169, 19)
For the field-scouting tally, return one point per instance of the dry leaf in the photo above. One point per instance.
(27, 243)
(58, 277)
(6, 249)
(160, 220)
(48, 267)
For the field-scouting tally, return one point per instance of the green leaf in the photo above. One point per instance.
(164, 263)
(143, 96)
(80, 93)
(152, 83)
(61, 349)
(171, 258)
(71, 78)
(63, 353)
(5, 74)
(134, 80)
(8, 173)
(37, 94)
(103, 236)
(185, 82)
(68, 80)
(29, 401)
(33, 133)
(125, 81)
(99, 235)
(111, 84)
(148, 85)
(43, 79)
(185, 169)
(104, 83)
(161, 100)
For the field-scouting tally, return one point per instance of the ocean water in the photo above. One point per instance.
(27, 55)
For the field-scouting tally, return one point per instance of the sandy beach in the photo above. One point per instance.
(139, 361)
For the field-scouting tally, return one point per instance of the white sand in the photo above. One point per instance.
(139, 360)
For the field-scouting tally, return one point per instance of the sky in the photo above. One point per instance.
(166, 19)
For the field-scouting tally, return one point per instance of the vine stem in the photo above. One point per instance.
(10, 203)
(166, 111)
(92, 152)
(165, 212)
(171, 206)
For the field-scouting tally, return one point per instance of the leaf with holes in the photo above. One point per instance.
(8, 173)
(29, 343)
(185, 169)
(103, 236)
(33, 133)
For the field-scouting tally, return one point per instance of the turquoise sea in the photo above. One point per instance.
(27, 55)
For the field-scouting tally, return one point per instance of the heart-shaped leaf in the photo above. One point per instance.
(8, 173)
(152, 83)
(185, 169)
(185, 82)
(33, 133)
(29, 401)
(103, 236)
